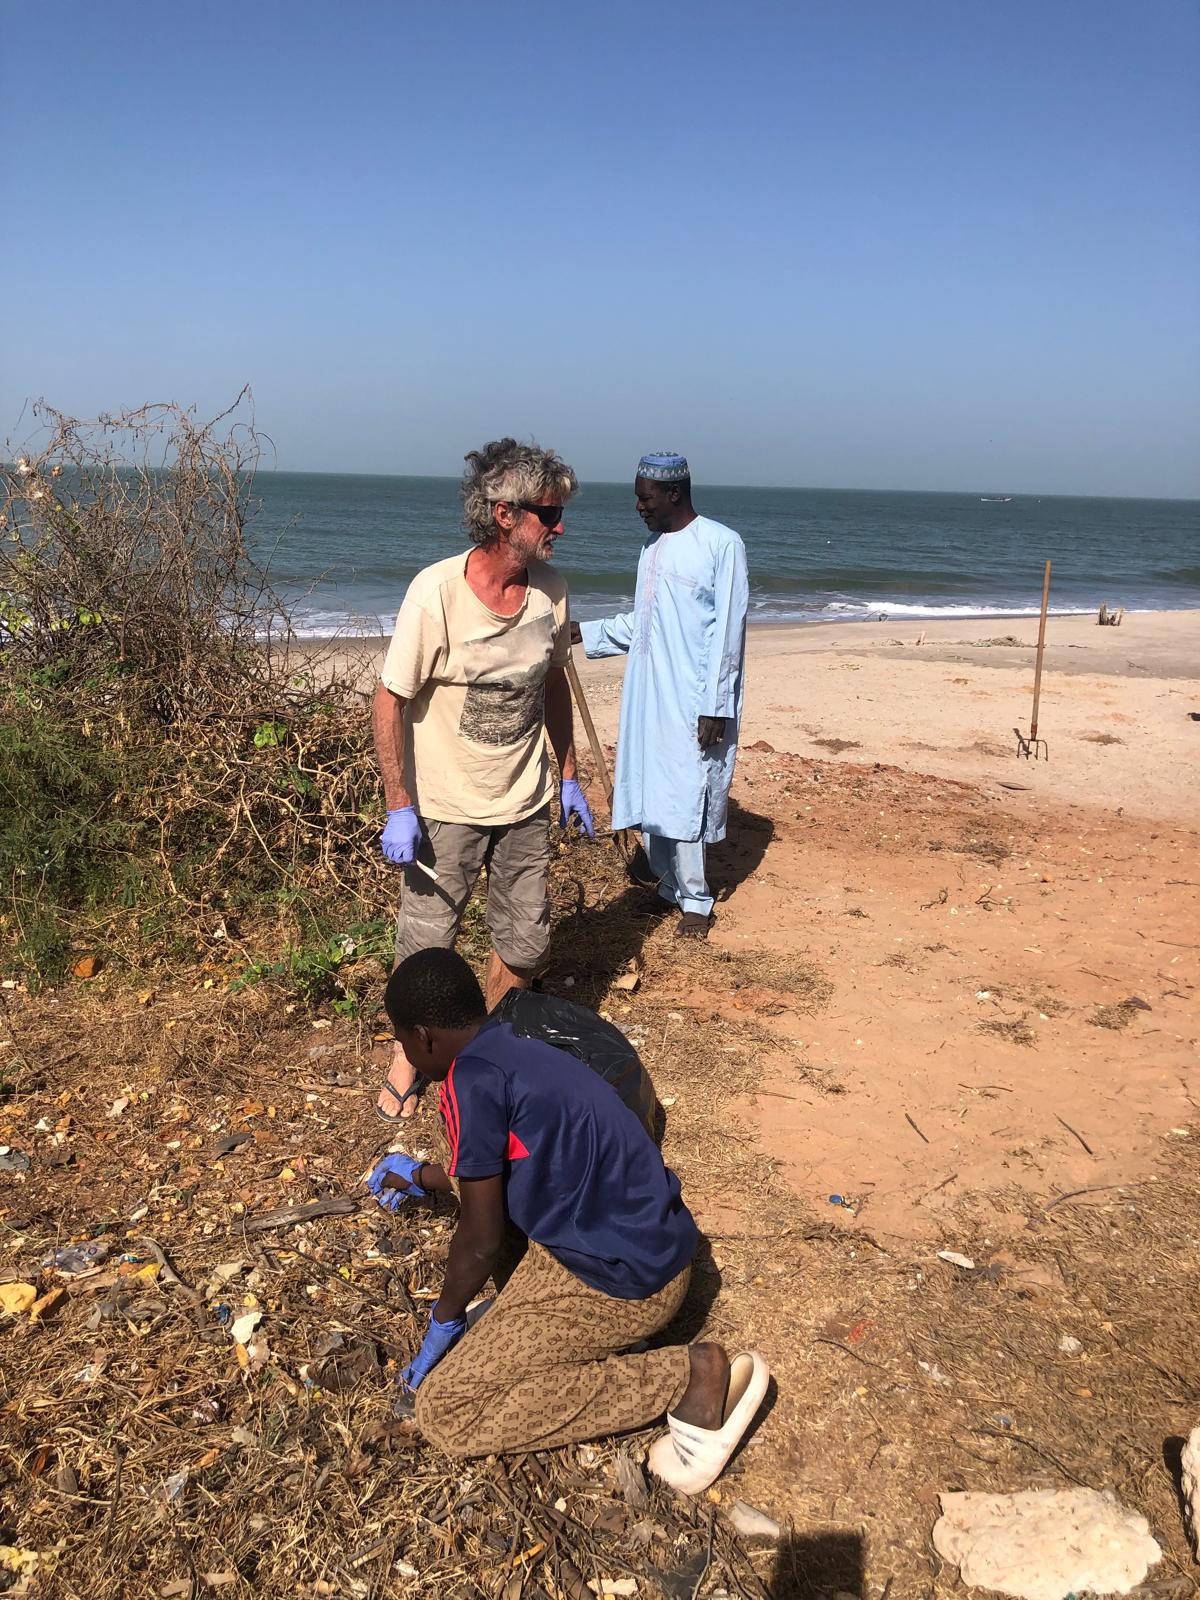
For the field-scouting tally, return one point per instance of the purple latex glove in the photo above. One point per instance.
(404, 1167)
(401, 835)
(440, 1338)
(575, 804)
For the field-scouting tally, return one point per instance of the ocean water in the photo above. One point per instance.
(341, 550)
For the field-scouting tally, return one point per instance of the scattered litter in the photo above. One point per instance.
(1069, 1344)
(16, 1298)
(13, 1160)
(220, 1275)
(751, 1524)
(1042, 1544)
(955, 1260)
(242, 1327)
(76, 1258)
(174, 1486)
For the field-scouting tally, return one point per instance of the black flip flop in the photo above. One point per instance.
(394, 1116)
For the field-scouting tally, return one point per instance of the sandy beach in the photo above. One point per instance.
(945, 697)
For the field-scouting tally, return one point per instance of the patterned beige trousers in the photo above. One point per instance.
(543, 1366)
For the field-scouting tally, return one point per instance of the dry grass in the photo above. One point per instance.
(1116, 1016)
(899, 1375)
(1017, 1032)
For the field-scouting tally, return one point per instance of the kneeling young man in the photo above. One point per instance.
(539, 1140)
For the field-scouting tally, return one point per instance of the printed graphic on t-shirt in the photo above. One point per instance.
(505, 701)
(505, 712)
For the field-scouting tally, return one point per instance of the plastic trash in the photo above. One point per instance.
(77, 1257)
(13, 1160)
(582, 1034)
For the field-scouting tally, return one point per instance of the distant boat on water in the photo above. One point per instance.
(995, 499)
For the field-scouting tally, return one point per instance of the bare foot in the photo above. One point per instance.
(400, 1079)
(693, 926)
(501, 978)
(703, 1403)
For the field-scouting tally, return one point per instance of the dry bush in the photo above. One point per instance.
(172, 778)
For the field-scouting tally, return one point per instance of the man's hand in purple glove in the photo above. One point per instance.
(439, 1339)
(399, 1166)
(401, 835)
(574, 804)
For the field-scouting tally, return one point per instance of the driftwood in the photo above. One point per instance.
(339, 1205)
(1110, 619)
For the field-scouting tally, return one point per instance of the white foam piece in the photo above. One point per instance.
(1190, 1462)
(1042, 1544)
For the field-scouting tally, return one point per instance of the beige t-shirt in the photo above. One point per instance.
(477, 750)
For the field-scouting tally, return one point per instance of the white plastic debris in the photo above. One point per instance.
(1190, 1463)
(1041, 1544)
(752, 1524)
(174, 1486)
(243, 1326)
(955, 1260)
(1069, 1344)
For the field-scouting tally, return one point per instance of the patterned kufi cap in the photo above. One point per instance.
(664, 467)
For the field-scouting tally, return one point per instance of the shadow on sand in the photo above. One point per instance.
(591, 942)
(811, 1564)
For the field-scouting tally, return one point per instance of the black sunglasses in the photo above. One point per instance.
(548, 516)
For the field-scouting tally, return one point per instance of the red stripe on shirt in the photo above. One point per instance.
(448, 1104)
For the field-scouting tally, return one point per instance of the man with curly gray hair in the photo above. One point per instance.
(472, 696)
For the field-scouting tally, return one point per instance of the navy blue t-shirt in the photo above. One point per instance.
(581, 1175)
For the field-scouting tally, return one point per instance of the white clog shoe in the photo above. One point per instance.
(690, 1458)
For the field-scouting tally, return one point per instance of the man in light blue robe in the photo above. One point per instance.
(682, 699)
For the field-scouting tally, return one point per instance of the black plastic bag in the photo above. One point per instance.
(587, 1037)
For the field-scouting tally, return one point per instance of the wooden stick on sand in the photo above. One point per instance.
(1041, 646)
(594, 742)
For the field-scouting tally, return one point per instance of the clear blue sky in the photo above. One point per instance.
(878, 243)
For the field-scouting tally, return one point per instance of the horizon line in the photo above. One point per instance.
(807, 488)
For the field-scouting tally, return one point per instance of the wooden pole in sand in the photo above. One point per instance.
(594, 741)
(1041, 646)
